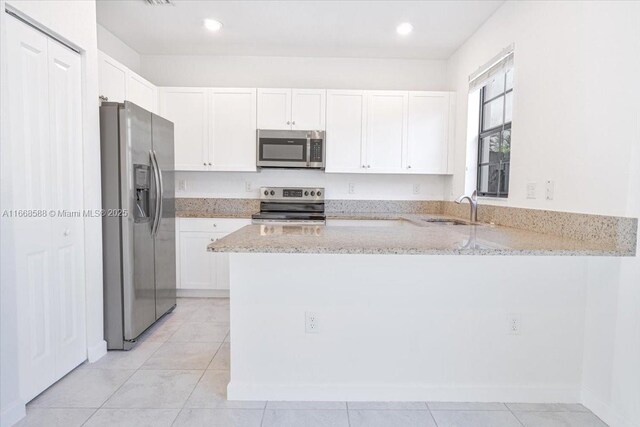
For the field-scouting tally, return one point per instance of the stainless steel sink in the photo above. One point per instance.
(444, 221)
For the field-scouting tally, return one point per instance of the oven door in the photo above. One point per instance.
(282, 149)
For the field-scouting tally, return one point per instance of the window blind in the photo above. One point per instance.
(497, 65)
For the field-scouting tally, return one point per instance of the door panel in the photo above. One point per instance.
(274, 109)
(386, 130)
(165, 247)
(233, 116)
(28, 136)
(428, 128)
(308, 109)
(196, 271)
(187, 108)
(67, 188)
(113, 78)
(138, 249)
(346, 126)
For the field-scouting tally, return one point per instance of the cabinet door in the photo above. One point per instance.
(112, 78)
(308, 109)
(427, 132)
(386, 130)
(274, 108)
(66, 184)
(142, 92)
(187, 108)
(346, 128)
(233, 129)
(196, 263)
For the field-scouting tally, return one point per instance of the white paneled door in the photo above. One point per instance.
(233, 129)
(45, 137)
(308, 109)
(112, 79)
(386, 130)
(274, 109)
(346, 128)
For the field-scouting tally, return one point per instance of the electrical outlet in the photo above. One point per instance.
(532, 189)
(551, 189)
(352, 188)
(182, 185)
(247, 186)
(416, 188)
(311, 322)
(514, 324)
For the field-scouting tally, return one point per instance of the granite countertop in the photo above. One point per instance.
(409, 234)
(210, 214)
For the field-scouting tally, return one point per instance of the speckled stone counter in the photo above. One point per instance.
(388, 233)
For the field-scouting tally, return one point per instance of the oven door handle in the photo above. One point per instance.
(308, 149)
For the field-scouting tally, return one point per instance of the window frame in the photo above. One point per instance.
(500, 129)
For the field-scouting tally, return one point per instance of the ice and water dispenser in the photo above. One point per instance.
(142, 175)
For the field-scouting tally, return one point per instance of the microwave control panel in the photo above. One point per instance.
(316, 151)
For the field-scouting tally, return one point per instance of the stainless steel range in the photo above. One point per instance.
(290, 205)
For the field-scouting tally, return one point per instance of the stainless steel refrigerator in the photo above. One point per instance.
(138, 228)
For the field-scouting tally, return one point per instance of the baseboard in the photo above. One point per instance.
(603, 410)
(410, 392)
(96, 351)
(202, 293)
(13, 413)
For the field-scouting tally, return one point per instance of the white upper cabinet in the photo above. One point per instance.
(118, 83)
(346, 128)
(274, 108)
(308, 109)
(112, 78)
(428, 132)
(142, 92)
(188, 109)
(302, 109)
(233, 129)
(386, 130)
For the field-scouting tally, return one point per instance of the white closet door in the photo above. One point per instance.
(31, 155)
(67, 233)
(308, 109)
(233, 129)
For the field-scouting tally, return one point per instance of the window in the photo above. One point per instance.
(494, 135)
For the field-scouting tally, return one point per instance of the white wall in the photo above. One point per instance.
(117, 49)
(576, 110)
(576, 120)
(366, 186)
(296, 72)
(73, 21)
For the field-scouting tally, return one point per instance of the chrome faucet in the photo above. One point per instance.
(473, 202)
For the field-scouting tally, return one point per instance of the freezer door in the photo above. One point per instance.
(139, 197)
(165, 236)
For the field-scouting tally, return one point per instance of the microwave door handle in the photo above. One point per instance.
(308, 150)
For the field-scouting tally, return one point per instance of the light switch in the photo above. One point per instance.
(551, 189)
(532, 189)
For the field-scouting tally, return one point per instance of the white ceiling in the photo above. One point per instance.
(296, 28)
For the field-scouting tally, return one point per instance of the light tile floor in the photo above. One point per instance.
(178, 373)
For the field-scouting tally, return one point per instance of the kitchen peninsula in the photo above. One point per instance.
(400, 307)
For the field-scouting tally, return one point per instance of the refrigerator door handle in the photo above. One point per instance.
(160, 192)
(156, 220)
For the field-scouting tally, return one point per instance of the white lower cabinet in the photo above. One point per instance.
(199, 269)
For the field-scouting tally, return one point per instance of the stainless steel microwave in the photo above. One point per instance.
(291, 149)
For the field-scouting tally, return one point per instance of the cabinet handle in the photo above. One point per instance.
(293, 123)
(368, 166)
(66, 232)
(215, 225)
(288, 123)
(364, 166)
(205, 163)
(209, 163)
(409, 167)
(103, 98)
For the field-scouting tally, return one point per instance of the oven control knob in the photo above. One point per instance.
(313, 193)
(319, 193)
(306, 193)
(266, 192)
(273, 193)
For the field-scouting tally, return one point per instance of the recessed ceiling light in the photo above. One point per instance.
(212, 24)
(404, 28)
